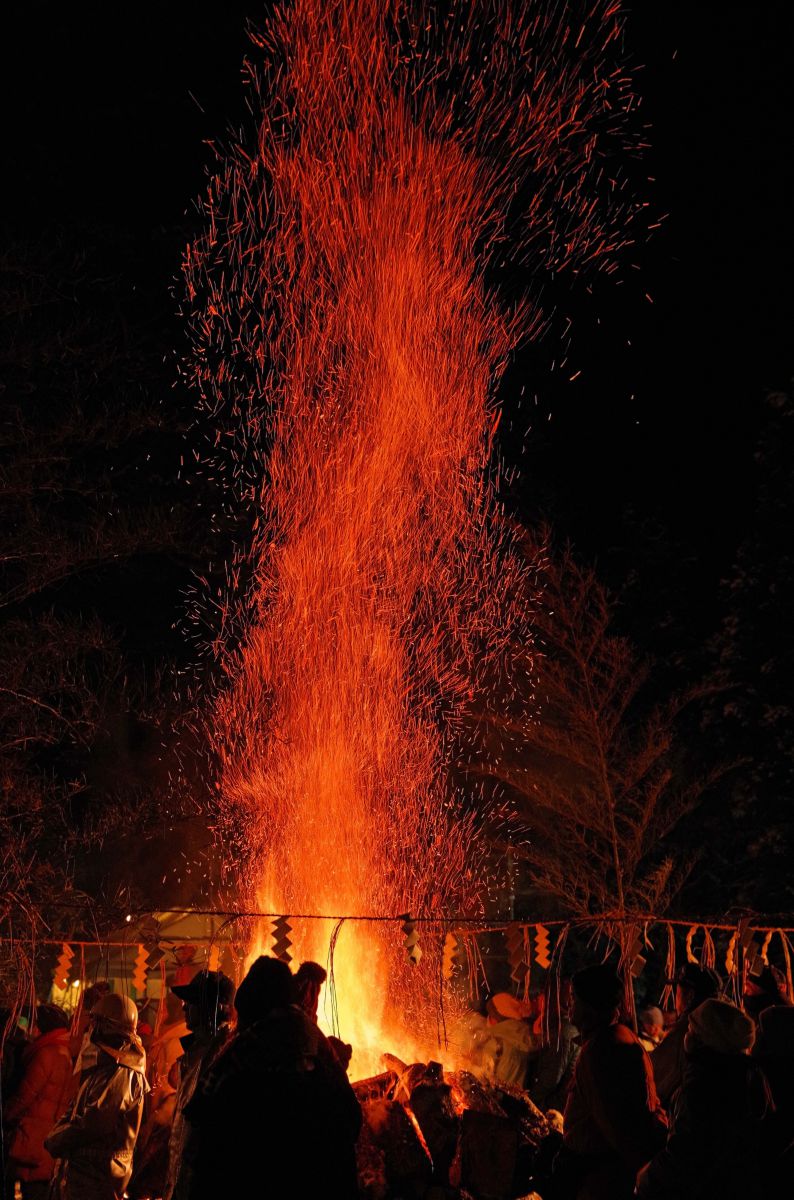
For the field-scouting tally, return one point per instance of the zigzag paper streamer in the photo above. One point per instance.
(60, 976)
(139, 971)
(412, 947)
(517, 953)
(730, 954)
(450, 956)
(214, 957)
(281, 939)
(542, 947)
(690, 954)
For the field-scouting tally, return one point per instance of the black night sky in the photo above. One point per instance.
(663, 461)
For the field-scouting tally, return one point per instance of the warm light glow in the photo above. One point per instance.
(346, 352)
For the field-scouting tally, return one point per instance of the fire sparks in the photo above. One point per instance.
(346, 351)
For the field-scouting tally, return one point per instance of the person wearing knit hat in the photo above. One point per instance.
(719, 1115)
(613, 1120)
(721, 1026)
(693, 984)
(96, 1138)
(651, 1027)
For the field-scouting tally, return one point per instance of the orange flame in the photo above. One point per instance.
(346, 351)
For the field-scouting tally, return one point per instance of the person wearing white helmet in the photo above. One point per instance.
(95, 1140)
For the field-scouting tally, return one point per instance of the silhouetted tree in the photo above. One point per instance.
(83, 503)
(598, 771)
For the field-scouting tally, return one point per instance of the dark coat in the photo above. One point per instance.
(714, 1151)
(200, 1052)
(276, 1095)
(613, 1120)
(551, 1070)
(667, 1061)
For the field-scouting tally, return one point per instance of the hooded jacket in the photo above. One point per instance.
(714, 1149)
(96, 1138)
(40, 1100)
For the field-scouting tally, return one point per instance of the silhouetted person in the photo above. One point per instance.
(774, 1053)
(80, 1043)
(714, 1150)
(96, 1138)
(275, 1113)
(309, 979)
(768, 989)
(693, 985)
(613, 1120)
(40, 1100)
(207, 1002)
(551, 1069)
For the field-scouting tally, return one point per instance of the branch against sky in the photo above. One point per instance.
(599, 774)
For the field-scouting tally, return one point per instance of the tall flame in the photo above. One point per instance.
(346, 352)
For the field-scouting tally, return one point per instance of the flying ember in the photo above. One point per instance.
(346, 350)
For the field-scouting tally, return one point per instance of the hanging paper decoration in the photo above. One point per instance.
(752, 959)
(635, 957)
(412, 947)
(787, 960)
(730, 955)
(665, 1000)
(214, 957)
(281, 939)
(186, 969)
(745, 932)
(708, 955)
(139, 971)
(542, 947)
(450, 956)
(690, 954)
(765, 947)
(517, 953)
(60, 976)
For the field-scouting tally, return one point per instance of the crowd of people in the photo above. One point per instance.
(254, 1076)
(698, 1109)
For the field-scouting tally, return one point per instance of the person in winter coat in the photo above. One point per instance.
(768, 989)
(276, 1093)
(95, 1140)
(693, 985)
(551, 1069)
(40, 1100)
(150, 1161)
(714, 1150)
(207, 1001)
(613, 1119)
(773, 1051)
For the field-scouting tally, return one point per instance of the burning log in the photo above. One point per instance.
(407, 1165)
(487, 1155)
(377, 1087)
(424, 1131)
(432, 1105)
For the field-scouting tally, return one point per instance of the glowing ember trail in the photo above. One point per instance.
(346, 350)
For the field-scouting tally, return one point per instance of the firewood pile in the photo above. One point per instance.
(428, 1135)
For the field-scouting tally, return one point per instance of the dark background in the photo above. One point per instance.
(104, 140)
(648, 460)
